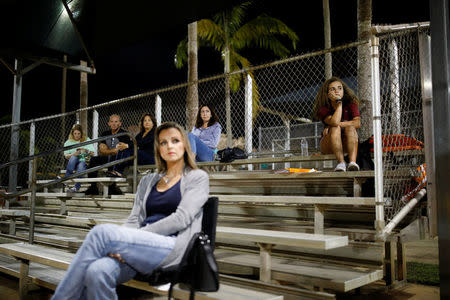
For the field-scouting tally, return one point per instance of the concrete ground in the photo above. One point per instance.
(420, 251)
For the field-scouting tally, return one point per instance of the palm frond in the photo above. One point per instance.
(210, 32)
(232, 19)
(256, 32)
(181, 54)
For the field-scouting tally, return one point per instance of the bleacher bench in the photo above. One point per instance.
(13, 215)
(267, 239)
(27, 253)
(105, 182)
(268, 183)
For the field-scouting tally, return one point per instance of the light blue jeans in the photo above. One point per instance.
(201, 151)
(76, 165)
(94, 275)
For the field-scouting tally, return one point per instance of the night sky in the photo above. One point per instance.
(148, 65)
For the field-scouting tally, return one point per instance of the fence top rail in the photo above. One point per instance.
(185, 84)
(379, 29)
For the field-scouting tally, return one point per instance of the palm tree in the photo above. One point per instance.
(228, 35)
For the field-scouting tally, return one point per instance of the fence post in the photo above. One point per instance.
(33, 200)
(31, 151)
(158, 107)
(249, 117)
(259, 139)
(95, 128)
(15, 129)
(395, 87)
(428, 128)
(376, 124)
(327, 38)
(287, 140)
(228, 97)
(83, 97)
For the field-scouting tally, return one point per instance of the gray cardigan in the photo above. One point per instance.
(186, 220)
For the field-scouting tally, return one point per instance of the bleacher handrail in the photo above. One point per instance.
(9, 195)
(34, 186)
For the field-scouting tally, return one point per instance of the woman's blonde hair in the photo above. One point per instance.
(80, 129)
(188, 155)
(322, 96)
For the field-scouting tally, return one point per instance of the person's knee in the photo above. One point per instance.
(101, 272)
(73, 159)
(350, 132)
(100, 230)
(81, 166)
(192, 141)
(335, 131)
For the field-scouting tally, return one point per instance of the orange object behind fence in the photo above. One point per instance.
(398, 142)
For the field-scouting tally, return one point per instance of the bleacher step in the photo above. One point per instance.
(341, 278)
(52, 258)
(298, 239)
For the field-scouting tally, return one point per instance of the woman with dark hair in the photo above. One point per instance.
(144, 141)
(77, 156)
(167, 212)
(206, 134)
(336, 106)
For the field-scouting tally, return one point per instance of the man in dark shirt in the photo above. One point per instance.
(108, 150)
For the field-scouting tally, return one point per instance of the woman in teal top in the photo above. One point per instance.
(77, 156)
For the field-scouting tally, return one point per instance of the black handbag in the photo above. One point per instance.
(230, 154)
(198, 267)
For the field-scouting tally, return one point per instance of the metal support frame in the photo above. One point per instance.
(428, 127)
(80, 38)
(440, 59)
(31, 152)
(95, 129)
(395, 87)
(249, 117)
(376, 112)
(158, 109)
(15, 129)
(394, 265)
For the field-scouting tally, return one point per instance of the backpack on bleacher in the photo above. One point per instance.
(230, 154)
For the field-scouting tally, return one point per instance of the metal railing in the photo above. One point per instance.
(34, 187)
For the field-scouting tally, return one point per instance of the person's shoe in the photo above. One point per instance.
(114, 190)
(340, 167)
(72, 190)
(352, 166)
(92, 190)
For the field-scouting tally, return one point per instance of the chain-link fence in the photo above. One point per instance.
(402, 119)
(271, 111)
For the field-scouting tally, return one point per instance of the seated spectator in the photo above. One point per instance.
(145, 143)
(206, 134)
(166, 213)
(77, 156)
(336, 106)
(108, 151)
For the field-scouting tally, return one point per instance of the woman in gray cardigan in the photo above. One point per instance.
(167, 211)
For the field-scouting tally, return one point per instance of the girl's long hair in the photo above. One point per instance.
(80, 129)
(322, 96)
(188, 155)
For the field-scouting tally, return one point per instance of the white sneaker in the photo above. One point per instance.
(340, 167)
(72, 190)
(352, 166)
